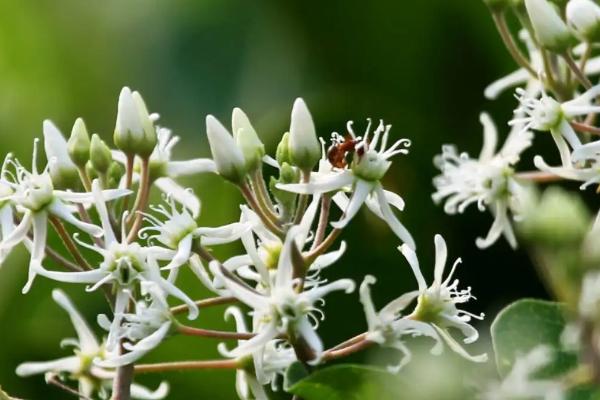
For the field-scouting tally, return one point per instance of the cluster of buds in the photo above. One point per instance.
(119, 243)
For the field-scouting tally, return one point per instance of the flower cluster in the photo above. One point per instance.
(98, 200)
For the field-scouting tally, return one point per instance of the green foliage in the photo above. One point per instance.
(349, 382)
(526, 324)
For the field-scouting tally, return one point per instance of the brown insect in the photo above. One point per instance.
(336, 154)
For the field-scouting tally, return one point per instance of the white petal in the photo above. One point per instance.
(190, 167)
(183, 196)
(61, 211)
(143, 393)
(327, 259)
(367, 302)
(87, 340)
(184, 251)
(361, 191)
(67, 364)
(457, 348)
(413, 261)
(493, 90)
(328, 183)
(397, 305)
(490, 137)
(310, 336)
(441, 254)
(391, 219)
(267, 333)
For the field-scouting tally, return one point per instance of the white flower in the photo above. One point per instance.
(363, 177)
(163, 170)
(180, 229)
(487, 181)
(437, 304)
(124, 264)
(143, 330)
(589, 173)
(34, 195)
(80, 367)
(547, 114)
(282, 310)
(387, 326)
(521, 383)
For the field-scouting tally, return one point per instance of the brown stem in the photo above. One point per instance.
(583, 127)
(85, 217)
(141, 201)
(52, 380)
(348, 350)
(209, 333)
(253, 203)
(350, 341)
(185, 365)
(509, 42)
(258, 183)
(538, 176)
(59, 259)
(323, 247)
(578, 73)
(302, 200)
(128, 178)
(69, 243)
(85, 179)
(213, 301)
(323, 221)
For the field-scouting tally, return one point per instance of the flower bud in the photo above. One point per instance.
(134, 130)
(557, 219)
(287, 174)
(282, 153)
(91, 171)
(550, 30)
(79, 143)
(63, 171)
(115, 173)
(584, 17)
(228, 158)
(304, 145)
(100, 155)
(247, 140)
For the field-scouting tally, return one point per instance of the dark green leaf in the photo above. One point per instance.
(349, 382)
(526, 324)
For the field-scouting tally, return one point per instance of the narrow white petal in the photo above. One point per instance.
(268, 333)
(441, 255)
(397, 305)
(413, 261)
(327, 259)
(67, 364)
(359, 196)
(367, 302)
(87, 339)
(490, 137)
(183, 196)
(393, 222)
(190, 167)
(140, 392)
(493, 90)
(457, 348)
(329, 183)
(61, 211)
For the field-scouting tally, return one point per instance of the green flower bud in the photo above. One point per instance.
(115, 173)
(584, 17)
(550, 30)
(304, 145)
(282, 153)
(557, 219)
(100, 155)
(79, 143)
(228, 158)
(247, 140)
(91, 171)
(63, 171)
(134, 130)
(287, 174)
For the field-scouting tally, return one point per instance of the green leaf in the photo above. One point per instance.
(526, 324)
(349, 382)
(293, 374)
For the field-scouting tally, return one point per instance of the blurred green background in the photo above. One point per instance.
(419, 65)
